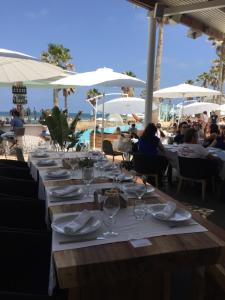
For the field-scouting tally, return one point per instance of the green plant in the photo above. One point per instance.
(86, 162)
(61, 133)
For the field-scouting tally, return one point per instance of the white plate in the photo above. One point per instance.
(46, 162)
(122, 177)
(73, 194)
(57, 174)
(130, 188)
(180, 215)
(92, 225)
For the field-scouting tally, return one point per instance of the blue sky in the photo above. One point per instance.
(100, 33)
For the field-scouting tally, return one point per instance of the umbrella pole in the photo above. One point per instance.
(103, 118)
(95, 124)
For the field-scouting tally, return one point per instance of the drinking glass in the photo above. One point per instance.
(111, 206)
(74, 164)
(139, 209)
(87, 177)
(139, 203)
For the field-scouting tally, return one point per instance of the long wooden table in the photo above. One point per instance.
(119, 271)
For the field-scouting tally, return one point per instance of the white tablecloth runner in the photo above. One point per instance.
(128, 228)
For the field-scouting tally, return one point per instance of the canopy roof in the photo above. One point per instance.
(199, 107)
(205, 16)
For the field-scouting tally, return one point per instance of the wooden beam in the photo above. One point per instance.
(190, 8)
(185, 20)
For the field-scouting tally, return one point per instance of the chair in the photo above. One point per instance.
(15, 172)
(197, 170)
(150, 165)
(13, 163)
(19, 187)
(19, 154)
(108, 149)
(25, 260)
(21, 212)
(18, 137)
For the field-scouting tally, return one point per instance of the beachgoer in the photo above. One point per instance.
(35, 114)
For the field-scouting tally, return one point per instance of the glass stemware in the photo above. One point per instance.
(74, 164)
(139, 203)
(87, 177)
(111, 206)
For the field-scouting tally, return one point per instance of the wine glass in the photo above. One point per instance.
(111, 206)
(74, 164)
(139, 203)
(87, 177)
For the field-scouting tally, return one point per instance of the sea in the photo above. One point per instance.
(6, 114)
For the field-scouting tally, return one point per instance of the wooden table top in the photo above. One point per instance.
(91, 265)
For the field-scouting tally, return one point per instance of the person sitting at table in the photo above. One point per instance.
(219, 141)
(191, 149)
(16, 122)
(212, 136)
(160, 134)
(132, 130)
(118, 130)
(179, 138)
(149, 144)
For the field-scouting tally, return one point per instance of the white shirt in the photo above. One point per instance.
(205, 118)
(192, 151)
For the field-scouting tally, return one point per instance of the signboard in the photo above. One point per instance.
(19, 94)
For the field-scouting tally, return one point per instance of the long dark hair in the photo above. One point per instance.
(150, 131)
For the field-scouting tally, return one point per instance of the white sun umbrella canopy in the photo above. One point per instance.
(20, 67)
(199, 107)
(104, 77)
(185, 90)
(222, 108)
(124, 106)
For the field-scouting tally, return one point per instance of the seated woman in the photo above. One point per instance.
(118, 130)
(212, 136)
(179, 138)
(151, 147)
(219, 141)
(149, 143)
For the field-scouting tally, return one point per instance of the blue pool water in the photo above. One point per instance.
(85, 138)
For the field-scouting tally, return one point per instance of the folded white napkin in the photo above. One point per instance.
(46, 162)
(167, 211)
(66, 190)
(79, 222)
(57, 173)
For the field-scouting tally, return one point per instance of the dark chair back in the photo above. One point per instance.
(19, 131)
(18, 212)
(149, 164)
(19, 154)
(15, 172)
(25, 261)
(13, 163)
(107, 147)
(197, 168)
(19, 187)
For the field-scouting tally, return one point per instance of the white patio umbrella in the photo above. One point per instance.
(20, 67)
(185, 90)
(124, 105)
(103, 77)
(222, 108)
(199, 107)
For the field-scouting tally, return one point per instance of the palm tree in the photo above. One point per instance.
(91, 94)
(60, 56)
(129, 91)
(203, 79)
(190, 81)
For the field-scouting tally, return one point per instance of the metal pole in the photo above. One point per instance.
(150, 69)
(95, 123)
(103, 119)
